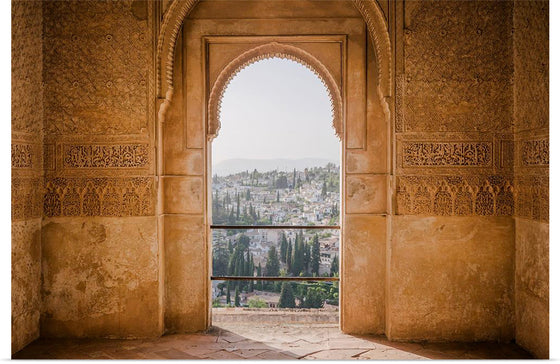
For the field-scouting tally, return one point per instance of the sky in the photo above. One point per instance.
(276, 108)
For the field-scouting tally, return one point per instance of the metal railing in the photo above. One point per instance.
(277, 227)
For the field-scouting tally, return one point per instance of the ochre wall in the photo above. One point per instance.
(451, 254)
(100, 261)
(530, 49)
(27, 149)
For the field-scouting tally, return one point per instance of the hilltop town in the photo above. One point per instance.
(301, 197)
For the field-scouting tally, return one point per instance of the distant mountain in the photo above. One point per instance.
(232, 166)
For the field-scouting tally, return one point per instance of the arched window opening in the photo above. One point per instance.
(276, 192)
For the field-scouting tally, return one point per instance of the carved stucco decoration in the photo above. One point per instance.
(458, 74)
(445, 154)
(265, 51)
(131, 196)
(98, 72)
(491, 195)
(178, 11)
(105, 155)
(535, 152)
(531, 197)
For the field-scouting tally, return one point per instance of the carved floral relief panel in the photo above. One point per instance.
(534, 152)
(491, 195)
(97, 67)
(457, 67)
(133, 196)
(531, 46)
(27, 56)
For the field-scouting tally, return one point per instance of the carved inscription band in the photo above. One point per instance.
(106, 156)
(445, 154)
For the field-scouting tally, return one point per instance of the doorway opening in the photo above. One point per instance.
(275, 198)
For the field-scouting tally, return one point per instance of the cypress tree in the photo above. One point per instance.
(315, 255)
(272, 268)
(287, 299)
(237, 299)
(283, 248)
(237, 213)
(334, 266)
(289, 257)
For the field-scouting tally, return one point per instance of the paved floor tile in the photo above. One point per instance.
(265, 341)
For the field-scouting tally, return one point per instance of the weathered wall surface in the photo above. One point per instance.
(452, 248)
(100, 265)
(530, 44)
(27, 167)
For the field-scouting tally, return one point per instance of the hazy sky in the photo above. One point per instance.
(276, 108)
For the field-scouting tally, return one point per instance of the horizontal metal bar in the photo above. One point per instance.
(249, 278)
(284, 227)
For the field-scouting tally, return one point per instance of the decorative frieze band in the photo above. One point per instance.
(99, 197)
(534, 152)
(447, 154)
(22, 156)
(455, 195)
(105, 156)
(27, 197)
(532, 201)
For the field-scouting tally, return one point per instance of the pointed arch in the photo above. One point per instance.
(179, 10)
(266, 51)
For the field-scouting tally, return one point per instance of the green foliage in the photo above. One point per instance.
(287, 299)
(257, 302)
(315, 255)
(272, 267)
(334, 266)
(237, 298)
(314, 298)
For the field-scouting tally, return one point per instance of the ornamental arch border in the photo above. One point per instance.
(179, 9)
(268, 51)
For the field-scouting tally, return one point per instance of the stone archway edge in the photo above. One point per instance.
(179, 9)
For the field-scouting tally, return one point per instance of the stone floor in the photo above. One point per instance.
(264, 341)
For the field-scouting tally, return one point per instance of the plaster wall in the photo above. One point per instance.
(530, 46)
(100, 261)
(451, 253)
(26, 184)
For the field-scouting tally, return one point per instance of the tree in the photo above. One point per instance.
(282, 182)
(289, 257)
(287, 299)
(314, 298)
(315, 255)
(334, 266)
(237, 299)
(228, 296)
(283, 247)
(277, 196)
(259, 274)
(237, 213)
(272, 267)
(324, 190)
